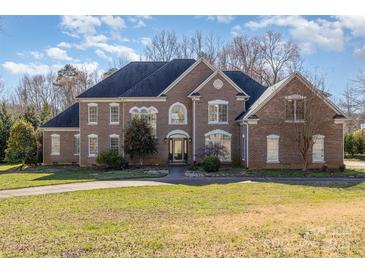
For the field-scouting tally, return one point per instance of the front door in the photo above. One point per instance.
(178, 149)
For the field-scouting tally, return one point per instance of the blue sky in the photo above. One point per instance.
(334, 46)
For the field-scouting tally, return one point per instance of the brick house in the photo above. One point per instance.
(190, 104)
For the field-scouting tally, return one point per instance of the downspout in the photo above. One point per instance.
(123, 154)
(247, 154)
(193, 130)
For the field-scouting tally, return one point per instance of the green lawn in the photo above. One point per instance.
(40, 176)
(7, 167)
(233, 220)
(241, 172)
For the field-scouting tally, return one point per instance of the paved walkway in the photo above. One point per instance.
(176, 176)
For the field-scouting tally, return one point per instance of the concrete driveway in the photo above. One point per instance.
(355, 164)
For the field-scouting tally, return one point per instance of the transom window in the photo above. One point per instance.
(76, 144)
(93, 145)
(295, 108)
(114, 142)
(218, 143)
(92, 113)
(55, 144)
(272, 149)
(177, 114)
(114, 113)
(218, 112)
(318, 149)
(150, 114)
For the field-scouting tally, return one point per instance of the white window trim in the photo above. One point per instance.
(97, 144)
(114, 136)
(222, 132)
(148, 109)
(77, 136)
(185, 114)
(177, 131)
(273, 137)
(316, 137)
(88, 113)
(59, 140)
(218, 102)
(110, 113)
(295, 97)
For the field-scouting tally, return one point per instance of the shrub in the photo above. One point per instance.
(342, 168)
(22, 143)
(111, 159)
(324, 168)
(211, 164)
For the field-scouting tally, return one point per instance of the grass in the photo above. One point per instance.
(7, 167)
(233, 220)
(41, 176)
(241, 172)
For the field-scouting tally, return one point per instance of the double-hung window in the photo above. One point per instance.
(93, 145)
(318, 149)
(295, 108)
(218, 112)
(272, 149)
(92, 114)
(76, 144)
(114, 113)
(55, 144)
(114, 142)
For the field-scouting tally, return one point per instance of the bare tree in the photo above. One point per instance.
(280, 57)
(2, 86)
(358, 86)
(163, 47)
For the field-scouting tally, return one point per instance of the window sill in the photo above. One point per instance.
(92, 123)
(318, 162)
(294, 122)
(55, 154)
(217, 123)
(178, 124)
(114, 123)
(92, 155)
(76, 154)
(273, 162)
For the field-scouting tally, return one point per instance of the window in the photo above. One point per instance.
(272, 149)
(295, 108)
(93, 145)
(114, 142)
(114, 113)
(76, 144)
(218, 142)
(177, 114)
(150, 114)
(318, 149)
(217, 112)
(55, 144)
(92, 113)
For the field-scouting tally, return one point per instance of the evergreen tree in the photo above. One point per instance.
(5, 125)
(30, 114)
(22, 143)
(139, 141)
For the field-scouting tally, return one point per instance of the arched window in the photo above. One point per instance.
(177, 114)
(218, 143)
(150, 114)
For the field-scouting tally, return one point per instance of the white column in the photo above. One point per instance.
(193, 129)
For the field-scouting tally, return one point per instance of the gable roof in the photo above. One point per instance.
(122, 80)
(155, 83)
(67, 118)
(251, 87)
(274, 89)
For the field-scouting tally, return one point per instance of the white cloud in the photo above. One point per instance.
(102, 55)
(89, 67)
(145, 41)
(310, 34)
(21, 68)
(81, 24)
(34, 54)
(225, 19)
(360, 53)
(355, 23)
(236, 30)
(115, 22)
(64, 45)
(139, 20)
(59, 54)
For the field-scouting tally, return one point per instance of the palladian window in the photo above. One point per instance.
(218, 143)
(150, 114)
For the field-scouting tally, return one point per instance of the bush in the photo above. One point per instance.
(342, 168)
(111, 159)
(211, 164)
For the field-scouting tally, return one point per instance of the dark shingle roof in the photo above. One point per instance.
(247, 84)
(122, 80)
(339, 116)
(68, 118)
(160, 79)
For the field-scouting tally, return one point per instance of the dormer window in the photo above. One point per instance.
(295, 108)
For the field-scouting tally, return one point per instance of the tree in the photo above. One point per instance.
(350, 146)
(164, 46)
(31, 115)
(5, 125)
(22, 144)
(280, 58)
(139, 141)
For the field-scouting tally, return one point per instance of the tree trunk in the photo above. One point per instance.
(140, 161)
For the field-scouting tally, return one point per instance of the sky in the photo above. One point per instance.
(334, 46)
